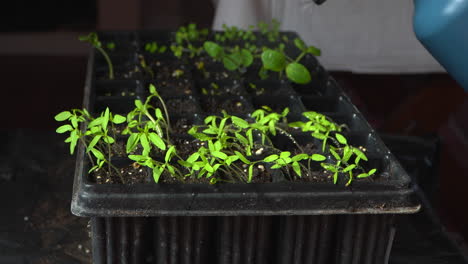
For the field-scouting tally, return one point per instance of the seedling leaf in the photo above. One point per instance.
(193, 157)
(297, 168)
(250, 173)
(299, 157)
(273, 60)
(157, 141)
(98, 154)
(219, 154)
(314, 51)
(169, 153)
(318, 157)
(132, 142)
(350, 167)
(64, 128)
(118, 119)
(271, 158)
(247, 57)
(341, 139)
(93, 143)
(63, 116)
(297, 73)
(213, 49)
(156, 174)
(242, 157)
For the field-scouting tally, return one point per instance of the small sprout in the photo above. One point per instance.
(110, 46)
(178, 73)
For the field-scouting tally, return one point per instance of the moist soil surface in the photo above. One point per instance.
(181, 125)
(231, 106)
(265, 89)
(176, 87)
(120, 93)
(217, 75)
(131, 174)
(120, 73)
(214, 89)
(165, 70)
(179, 106)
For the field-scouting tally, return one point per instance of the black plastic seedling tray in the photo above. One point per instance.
(274, 222)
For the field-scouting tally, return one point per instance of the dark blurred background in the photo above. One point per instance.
(42, 71)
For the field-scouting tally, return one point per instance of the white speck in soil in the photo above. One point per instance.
(87, 251)
(259, 151)
(261, 167)
(80, 246)
(26, 218)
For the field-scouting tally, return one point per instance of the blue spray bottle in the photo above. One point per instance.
(442, 27)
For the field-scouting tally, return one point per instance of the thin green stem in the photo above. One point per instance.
(298, 59)
(109, 62)
(87, 152)
(167, 115)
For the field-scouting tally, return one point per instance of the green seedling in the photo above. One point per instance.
(343, 155)
(153, 47)
(232, 59)
(110, 46)
(145, 66)
(97, 137)
(92, 38)
(185, 39)
(214, 90)
(270, 31)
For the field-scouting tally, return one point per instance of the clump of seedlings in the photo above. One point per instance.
(230, 147)
(187, 41)
(275, 60)
(153, 47)
(97, 137)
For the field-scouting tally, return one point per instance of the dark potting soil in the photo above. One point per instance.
(180, 106)
(268, 89)
(219, 75)
(319, 176)
(261, 174)
(167, 178)
(131, 174)
(181, 125)
(231, 106)
(119, 149)
(276, 106)
(186, 146)
(217, 89)
(122, 93)
(169, 70)
(128, 73)
(174, 87)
